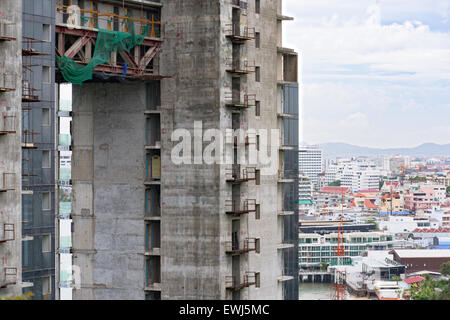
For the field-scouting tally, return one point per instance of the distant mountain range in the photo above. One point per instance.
(337, 149)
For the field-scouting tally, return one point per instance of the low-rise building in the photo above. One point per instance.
(396, 224)
(422, 259)
(420, 199)
(315, 249)
(331, 196)
(391, 202)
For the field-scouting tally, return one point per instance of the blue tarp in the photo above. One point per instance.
(402, 213)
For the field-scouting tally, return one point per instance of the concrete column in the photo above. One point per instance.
(11, 150)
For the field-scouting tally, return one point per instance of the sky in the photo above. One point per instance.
(374, 73)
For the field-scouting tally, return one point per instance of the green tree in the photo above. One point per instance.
(395, 277)
(324, 266)
(430, 289)
(381, 184)
(448, 190)
(336, 183)
(445, 268)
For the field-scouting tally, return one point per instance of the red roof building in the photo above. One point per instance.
(369, 205)
(412, 280)
(338, 190)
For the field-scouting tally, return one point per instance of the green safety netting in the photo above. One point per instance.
(107, 42)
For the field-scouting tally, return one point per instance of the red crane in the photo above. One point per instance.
(338, 290)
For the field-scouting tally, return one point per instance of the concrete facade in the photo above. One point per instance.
(108, 193)
(10, 148)
(161, 231)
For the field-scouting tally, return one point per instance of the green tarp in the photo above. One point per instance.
(107, 42)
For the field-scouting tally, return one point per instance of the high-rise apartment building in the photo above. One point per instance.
(156, 76)
(355, 174)
(147, 226)
(28, 129)
(310, 161)
(38, 148)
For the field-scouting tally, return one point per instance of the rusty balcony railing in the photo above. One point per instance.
(236, 175)
(235, 100)
(8, 232)
(7, 82)
(240, 247)
(7, 123)
(240, 282)
(7, 182)
(239, 34)
(28, 93)
(239, 66)
(9, 277)
(233, 207)
(7, 31)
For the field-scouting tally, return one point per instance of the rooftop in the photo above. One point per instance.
(413, 279)
(423, 253)
(339, 190)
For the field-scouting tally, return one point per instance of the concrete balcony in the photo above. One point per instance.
(283, 278)
(156, 286)
(153, 252)
(285, 115)
(283, 246)
(283, 213)
(281, 17)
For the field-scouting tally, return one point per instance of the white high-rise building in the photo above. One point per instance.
(310, 162)
(355, 174)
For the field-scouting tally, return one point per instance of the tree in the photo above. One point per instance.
(445, 268)
(417, 179)
(336, 183)
(377, 227)
(448, 190)
(430, 289)
(396, 278)
(324, 266)
(381, 184)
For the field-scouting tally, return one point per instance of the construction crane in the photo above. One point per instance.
(338, 290)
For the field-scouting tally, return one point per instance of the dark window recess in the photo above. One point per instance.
(258, 245)
(257, 108)
(257, 6)
(257, 40)
(258, 178)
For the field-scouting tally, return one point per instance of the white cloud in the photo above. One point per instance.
(356, 120)
(356, 68)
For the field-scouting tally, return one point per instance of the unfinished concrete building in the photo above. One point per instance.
(10, 148)
(38, 148)
(145, 227)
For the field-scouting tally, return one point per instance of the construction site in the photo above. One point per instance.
(142, 226)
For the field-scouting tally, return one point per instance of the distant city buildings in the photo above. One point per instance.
(304, 192)
(310, 162)
(357, 174)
